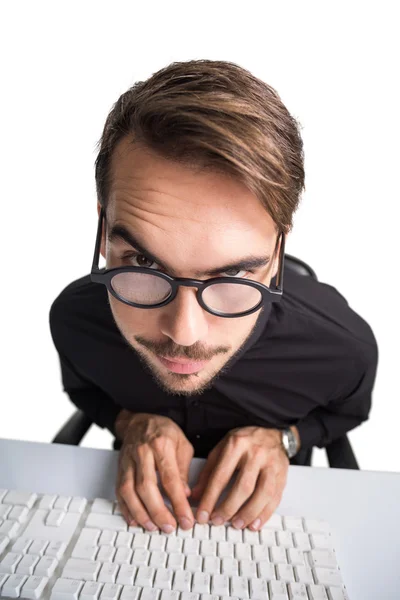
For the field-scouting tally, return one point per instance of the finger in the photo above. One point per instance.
(245, 486)
(184, 458)
(204, 476)
(263, 494)
(125, 512)
(267, 513)
(149, 492)
(130, 502)
(175, 488)
(218, 480)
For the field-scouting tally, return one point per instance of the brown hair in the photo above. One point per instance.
(218, 116)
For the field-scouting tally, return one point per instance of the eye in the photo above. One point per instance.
(236, 273)
(134, 256)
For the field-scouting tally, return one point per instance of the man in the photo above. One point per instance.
(199, 172)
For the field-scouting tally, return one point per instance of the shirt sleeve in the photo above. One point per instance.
(346, 409)
(92, 400)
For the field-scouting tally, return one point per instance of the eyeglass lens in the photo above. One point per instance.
(148, 290)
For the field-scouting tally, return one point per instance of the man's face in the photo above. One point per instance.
(194, 222)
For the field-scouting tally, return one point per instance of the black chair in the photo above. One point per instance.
(339, 452)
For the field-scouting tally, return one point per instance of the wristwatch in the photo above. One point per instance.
(289, 442)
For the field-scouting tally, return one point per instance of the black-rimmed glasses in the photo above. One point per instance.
(228, 297)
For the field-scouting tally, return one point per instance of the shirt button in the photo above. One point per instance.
(198, 437)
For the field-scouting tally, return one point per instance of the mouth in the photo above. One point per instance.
(182, 365)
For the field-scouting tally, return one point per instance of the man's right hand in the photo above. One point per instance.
(153, 443)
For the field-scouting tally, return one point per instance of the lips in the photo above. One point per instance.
(182, 365)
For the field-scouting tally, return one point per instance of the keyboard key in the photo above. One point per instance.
(229, 566)
(12, 587)
(26, 565)
(297, 591)
(193, 563)
(107, 538)
(239, 587)
(225, 549)
(46, 566)
(208, 548)
(102, 506)
(108, 573)
(47, 502)
(302, 541)
(126, 575)
(18, 513)
(266, 570)
(293, 524)
(322, 558)
(33, 587)
(234, 535)
(56, 550)
(259, 589)
(110, 591)
(277, 590)
(124, 539)
(325, 576)
(89, 536)
(218, 533)
(150, 594)
(201, 531)
(268, 537)
(174, 544)
(285, 573)
(20, 498)
(176, 561)
(85, 570)
(10, 562)
(184, 533)
(145, 576)
(141, 540)
(141, 557)
(201, 583)
(182, 581)
(251, 537)
(284, 539)
(304, 574)
(191, 546)
(4, 541)
(169, 595)
(212, 564)
(5, 510)
(158, 542)
(105, 521)
(274, 522)
(260, 552)
(77, 505)
(90, 591)
(130, 592)
(247, 568)
(86, 552)
(242, 551)
(220, 585)
(278, 554)
(335, 593)
(317, 592)
(295, 556)
(163, 578)
(55, 518)
(62, 502)
(21, 545)
(9, 529)
(158, 558)
(316, 526)
(66, 589)
(38, 547)
(123, 556)
(321, 541)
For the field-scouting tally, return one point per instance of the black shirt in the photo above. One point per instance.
(311, 362)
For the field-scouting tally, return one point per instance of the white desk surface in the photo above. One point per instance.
(362, 507)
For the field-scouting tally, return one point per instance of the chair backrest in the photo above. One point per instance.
(298, 266)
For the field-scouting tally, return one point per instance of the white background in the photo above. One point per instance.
(65, 64)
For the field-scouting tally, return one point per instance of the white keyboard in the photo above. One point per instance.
(63, 548)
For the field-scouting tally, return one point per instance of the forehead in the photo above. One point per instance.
(159, 200)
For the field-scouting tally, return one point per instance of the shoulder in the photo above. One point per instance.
(316, 315)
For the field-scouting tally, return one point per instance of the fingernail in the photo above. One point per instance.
(185, 523)
(203, 516)
(217, 520)
(167, 528)
(150, 526)
(256, 524)
(238, 523)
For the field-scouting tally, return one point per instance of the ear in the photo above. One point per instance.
(103, 235)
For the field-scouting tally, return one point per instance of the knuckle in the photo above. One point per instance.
(247, 485)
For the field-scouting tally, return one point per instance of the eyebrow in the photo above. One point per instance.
(118, 233)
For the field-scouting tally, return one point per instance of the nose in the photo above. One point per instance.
(184, 320)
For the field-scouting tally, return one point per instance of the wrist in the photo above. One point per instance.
(122, 423)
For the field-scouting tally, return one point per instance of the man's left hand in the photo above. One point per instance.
(262, 463)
